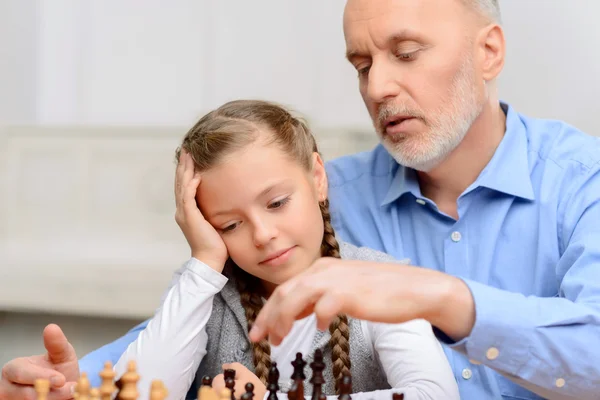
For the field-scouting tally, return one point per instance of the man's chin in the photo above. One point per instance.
(422, 163)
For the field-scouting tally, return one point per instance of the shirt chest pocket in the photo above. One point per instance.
(512, 391)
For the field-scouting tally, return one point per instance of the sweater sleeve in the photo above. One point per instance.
(173, 343)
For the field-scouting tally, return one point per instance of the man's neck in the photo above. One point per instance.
(445, 183)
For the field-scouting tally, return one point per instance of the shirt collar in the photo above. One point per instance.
(507, 172)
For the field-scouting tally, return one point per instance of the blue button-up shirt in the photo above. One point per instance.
(527, 243)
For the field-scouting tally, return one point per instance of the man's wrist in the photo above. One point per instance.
(454, 309)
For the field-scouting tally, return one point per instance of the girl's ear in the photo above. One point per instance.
(319, 176)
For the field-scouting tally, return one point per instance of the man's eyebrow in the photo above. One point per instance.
(403, 35)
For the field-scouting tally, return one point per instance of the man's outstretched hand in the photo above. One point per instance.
(380, 292)
(59, 365)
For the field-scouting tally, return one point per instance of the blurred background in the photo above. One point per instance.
(96, 94)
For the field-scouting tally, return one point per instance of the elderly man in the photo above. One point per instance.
(497, 211)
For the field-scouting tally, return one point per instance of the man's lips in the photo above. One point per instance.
(395, 120)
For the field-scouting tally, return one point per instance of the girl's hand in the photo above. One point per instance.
(205, 242)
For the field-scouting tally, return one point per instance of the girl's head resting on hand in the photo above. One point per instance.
(264, 189)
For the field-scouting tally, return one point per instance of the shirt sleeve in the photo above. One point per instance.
(547, 345)
(173, 343)
(93, 363)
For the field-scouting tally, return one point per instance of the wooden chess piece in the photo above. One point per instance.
(158, 391)
(249, 395)
(398, 396)
(206, 381)
(273, 381)
(229, 378)
(207, 393)
(107, 388)
(94, 394)
(298, 376)
(317, 378)
(42, 388)
(230, 384)
(83, 387)
(225, 394)
(129, 382)
(345, 386)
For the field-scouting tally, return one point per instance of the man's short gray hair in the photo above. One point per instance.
(488, 8)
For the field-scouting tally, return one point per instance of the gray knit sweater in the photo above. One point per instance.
(228, 339)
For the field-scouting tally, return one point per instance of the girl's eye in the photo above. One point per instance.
(229, 228)
(279, 203)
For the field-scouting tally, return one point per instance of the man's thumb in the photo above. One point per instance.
(58, 347)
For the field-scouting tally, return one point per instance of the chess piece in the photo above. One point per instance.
(207, 393)
(82, 389)
(107, 388)
(206, 381)
(94, 394)
(398, 396)
(42, 388)
(225, 394)
(273, 381)
(158, 391)
(129, 382)
(317, 378)
(298, 376)
(229, 373)
(345, 387)
(230, 384)
(229, 377)
(249, 395)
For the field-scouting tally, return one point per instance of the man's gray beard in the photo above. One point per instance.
(445, 132)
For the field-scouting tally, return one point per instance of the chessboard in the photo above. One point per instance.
(126, 387)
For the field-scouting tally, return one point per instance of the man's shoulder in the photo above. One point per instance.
(562, 144)
(357, 167)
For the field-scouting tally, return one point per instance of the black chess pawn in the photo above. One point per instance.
(298, 376)
(345, 386)
(206, 381)
(298, 365)
(317, 378)
(230, 384)
(273, 381)
(229, 374)
(398, 396)
(249, 394)
(229, 377)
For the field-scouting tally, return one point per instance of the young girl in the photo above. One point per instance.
(251, 194)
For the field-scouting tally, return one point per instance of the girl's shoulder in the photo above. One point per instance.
(349, 251)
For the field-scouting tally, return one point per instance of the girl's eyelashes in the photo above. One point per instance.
(229, 228)
(275, 205)
(278, 203)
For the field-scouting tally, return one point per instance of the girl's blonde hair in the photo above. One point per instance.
(231, 127)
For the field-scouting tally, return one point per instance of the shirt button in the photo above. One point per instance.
(456, 236)
(492, 353)
(466, 373)
(560, 382)
(474, 362)
(421, 202)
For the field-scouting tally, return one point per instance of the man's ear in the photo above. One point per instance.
(319, 176)
(492, 52)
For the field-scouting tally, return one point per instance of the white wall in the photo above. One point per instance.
(117, 62)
